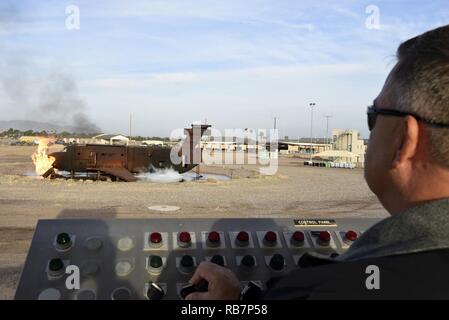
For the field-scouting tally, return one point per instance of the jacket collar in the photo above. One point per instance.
(422, 228)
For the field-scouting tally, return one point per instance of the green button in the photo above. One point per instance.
(56, 264)
(277, 262)
(248, 261)
(187, 261)
(217, 259)
(155, 261)
(63, 239)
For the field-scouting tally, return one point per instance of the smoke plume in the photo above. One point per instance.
(161, 176)
(43, 92)
(61, 102)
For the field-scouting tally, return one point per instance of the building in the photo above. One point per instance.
(153, 143)
(110, 139)
(222, 144)
(339, 156)
(71, 140)
(29, 139)
(349, 140)
(304, 148)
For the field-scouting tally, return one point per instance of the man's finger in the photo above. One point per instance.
(198, 296)
(206, 270)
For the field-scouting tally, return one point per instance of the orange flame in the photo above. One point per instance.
(41, 160)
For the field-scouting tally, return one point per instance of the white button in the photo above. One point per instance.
(50, 294)
(123, 268)
(121, 294)
(94, 244)
(125, 244)
(86, 295)
(89, 268)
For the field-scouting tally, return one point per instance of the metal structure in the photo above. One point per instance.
(327, 128)
(121, 162)
(311, 105)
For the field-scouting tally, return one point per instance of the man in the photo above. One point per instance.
(407, 167)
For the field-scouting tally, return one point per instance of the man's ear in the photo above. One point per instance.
(409, 142)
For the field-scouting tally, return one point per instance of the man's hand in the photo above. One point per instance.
(223, 284)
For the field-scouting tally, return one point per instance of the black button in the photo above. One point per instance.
(56, 264)
(252, 292)
(155, 261)
(63, 239)
(248, 261)
(217, 259)
(202, 286)
(277, 262)
(186, 290)
(187, 261)
(155, 292)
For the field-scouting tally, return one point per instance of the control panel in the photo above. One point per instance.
(154, 259)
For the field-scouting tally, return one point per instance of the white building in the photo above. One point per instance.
(349, 140)
(153, 143)
(110, 139)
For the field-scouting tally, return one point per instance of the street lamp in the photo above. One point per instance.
(311, 105)
(327, 128)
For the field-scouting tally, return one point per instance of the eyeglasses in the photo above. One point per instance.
(372, 113)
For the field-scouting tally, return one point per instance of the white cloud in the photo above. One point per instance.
(139, 81)
(247, 97)
(234, 62)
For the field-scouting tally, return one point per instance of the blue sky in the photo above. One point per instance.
(235, 63)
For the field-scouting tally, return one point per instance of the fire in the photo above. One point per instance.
(41, 160)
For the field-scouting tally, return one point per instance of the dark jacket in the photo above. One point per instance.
(411, 250)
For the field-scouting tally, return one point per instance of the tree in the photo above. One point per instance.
(65, 134)
(28, 133)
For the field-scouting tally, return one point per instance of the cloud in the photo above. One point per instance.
(234, 62)
(245, 97)
(141, 81)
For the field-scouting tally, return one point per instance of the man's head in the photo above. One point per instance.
(407, 160)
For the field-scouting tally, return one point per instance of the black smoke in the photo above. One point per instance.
(60, 101)
(48, 96)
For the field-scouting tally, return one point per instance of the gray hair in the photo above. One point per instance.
(421, 81)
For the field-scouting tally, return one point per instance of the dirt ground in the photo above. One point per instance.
(295, 191)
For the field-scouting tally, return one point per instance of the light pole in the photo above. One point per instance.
(327, 128)
(311, 105)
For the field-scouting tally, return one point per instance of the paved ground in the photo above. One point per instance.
(295, 191)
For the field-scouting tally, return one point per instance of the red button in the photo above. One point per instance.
(298, 236)
(184, 237)
(271, 236)
(243, 236)
(325, 236)
(351, 235)
(155, 237)
(214, 236)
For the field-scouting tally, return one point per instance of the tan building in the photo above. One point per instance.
(286, 147)
(349, 140)
(338, 156)
(29, 139)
